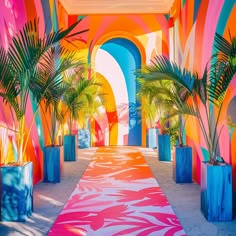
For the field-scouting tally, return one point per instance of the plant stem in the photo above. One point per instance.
(5, 127)
(201, 123)
(215, 138)
(70, 123)
(21, 135)
(46, 122)
(28, 135)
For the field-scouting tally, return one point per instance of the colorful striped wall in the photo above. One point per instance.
(115, 46)
(118, 45)
(195, 23)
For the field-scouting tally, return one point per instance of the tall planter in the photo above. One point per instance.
(182, 164)
(16, 192)
(164, 147)
(53, 163)
(216, 192)
(152, 137)
(234, 203)
(84, 138)
(70, 148)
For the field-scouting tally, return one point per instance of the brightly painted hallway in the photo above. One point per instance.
(114, 39)
(50, 199)
(114, 46)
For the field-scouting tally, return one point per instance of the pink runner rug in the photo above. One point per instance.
(117, 195)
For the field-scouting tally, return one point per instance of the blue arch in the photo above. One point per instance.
(128, 58)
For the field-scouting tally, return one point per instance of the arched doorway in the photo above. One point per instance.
(116, 60)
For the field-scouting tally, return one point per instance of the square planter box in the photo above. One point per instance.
(182, 164)
(16, 192)
(164, 147)
(53, 163)
(152, 137)
(216, 192)
(70, 148)
(83, 138)
(234, 203)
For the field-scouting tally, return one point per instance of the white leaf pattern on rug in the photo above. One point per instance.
(117, 195)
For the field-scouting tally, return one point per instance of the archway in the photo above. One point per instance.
(116, 60)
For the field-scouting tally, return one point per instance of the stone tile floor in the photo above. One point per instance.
(49, 199)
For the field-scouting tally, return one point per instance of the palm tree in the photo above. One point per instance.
(165, 100)
(81, 99)
(52, 104)
(208, 90)
(23, 68)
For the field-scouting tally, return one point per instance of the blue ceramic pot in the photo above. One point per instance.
(83, 138)
(164, 147)
(216, 192)
(152, 137)
(70, 148)
(52, 164)
(16, 192)
(182, 164)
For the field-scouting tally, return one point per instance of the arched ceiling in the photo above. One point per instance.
(87, 7)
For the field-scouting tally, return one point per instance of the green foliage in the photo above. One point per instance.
(166, 100)
(24, 69)
(82, 98)
(207, 91)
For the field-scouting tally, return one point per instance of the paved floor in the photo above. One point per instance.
(49, 199)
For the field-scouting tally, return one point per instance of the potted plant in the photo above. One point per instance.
(78, 101)
(182, 160)
(206, 93)
(148, 110)
(85, 116)
(91, 111)
(53, 151)
(22, 68)
(156, 105)
(182, 153)
(175, 98)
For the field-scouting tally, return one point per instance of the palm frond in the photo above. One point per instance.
(221, 77)
(162, 69)
(222, 45)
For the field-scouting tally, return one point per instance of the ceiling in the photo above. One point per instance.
(87, 7)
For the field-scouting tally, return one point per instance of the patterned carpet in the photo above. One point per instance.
(117, 195)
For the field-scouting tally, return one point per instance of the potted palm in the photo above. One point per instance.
(206, 93)
(78, 101)
(175, 99)
(53, 153)
(182, 153)
(157, 106)
(148, 110)
(89, 112)
(22, 75)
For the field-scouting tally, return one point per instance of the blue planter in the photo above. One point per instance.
(152, 137)
(234, 203)
(182, 164)
(83, 138)
(216, 192)
(16, 192)
(164, 147)
(52, 163)
(70, 148)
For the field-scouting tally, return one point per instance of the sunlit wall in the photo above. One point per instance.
(195, 24)
(187, 37)
(112, 43)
